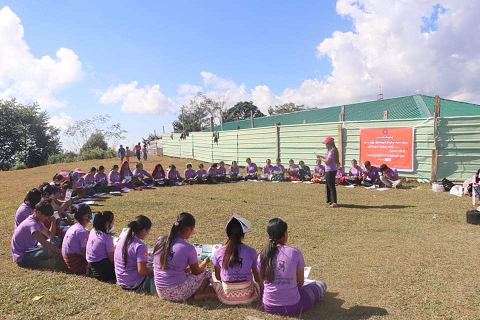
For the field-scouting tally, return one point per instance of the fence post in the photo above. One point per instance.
(342, 114)
(251, 119)
(340, 144)
(385, 115)
(277, 140)
(211, 124)
(193, 147)
(436, 115)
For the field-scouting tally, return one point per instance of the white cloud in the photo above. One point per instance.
(61, 122)
(147, 100)
(212, 80)
(187, 88)
(29, 79)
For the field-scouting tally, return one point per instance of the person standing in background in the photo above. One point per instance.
(332, 162)
(138, 149)
(145, 152)
(121, 153)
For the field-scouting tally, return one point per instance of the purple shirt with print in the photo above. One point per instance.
(293, 168)
(251, 168)
(89, 179)
(127, 275)
(283, 291)
(221, 171)
(201, 173)
(159, 175)
(372, 174)
(23, 238)
(330, 161)
(23, 212)
(101, 178)
(173, 175)
(392, 174)
(235, 171)
(140, 173)
(268, 169)
(212, 171)
(189, 173)
(180, 256)
(113, 177)
(80, 183)
(319, 171)
(240, 272)
(99, 245)
(75, 240)
(279, 168)
(340, 172)
(355, 172)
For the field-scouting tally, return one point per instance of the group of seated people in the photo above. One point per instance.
(171, 270)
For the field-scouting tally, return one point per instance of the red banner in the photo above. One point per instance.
(392, 146)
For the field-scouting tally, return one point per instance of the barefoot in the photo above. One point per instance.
(333, 205)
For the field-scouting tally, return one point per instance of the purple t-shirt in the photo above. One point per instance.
(212, 171)
(180, 256)
(80, 183)
(392, 174)
(283, 291)
(113, 177)
(340, 172)
(201, 173)
(159, 175)
(89, 179)
(319, 171)
(241, 271)
(75, 240)
(99, 245)
(221, 171)
(234, 170)
(372, 174)
(189, 173)
(331, 162)
(355, 172)
(139, 173)
(251, 168)
(293, 168)
(101, 178)
(23, 238)
(268, 169)
(137, 252)
(173, 175)
(23, 212)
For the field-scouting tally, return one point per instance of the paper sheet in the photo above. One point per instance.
(206, 250)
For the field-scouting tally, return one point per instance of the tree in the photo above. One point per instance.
(25, 135)
(81, 130)
(96, 140)
(285, 108)
(194, 116)
(241, 111)
(151, 137)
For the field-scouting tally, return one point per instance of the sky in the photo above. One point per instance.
(141, 63)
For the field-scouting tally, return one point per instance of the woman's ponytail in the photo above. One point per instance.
(140, 223)
(235, 235)
(276, 229)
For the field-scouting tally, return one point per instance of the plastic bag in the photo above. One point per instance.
(436, 187)
(457, 191)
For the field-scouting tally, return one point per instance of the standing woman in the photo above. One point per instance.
(331, 160)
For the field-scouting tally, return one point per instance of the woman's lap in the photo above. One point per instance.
(185, 290)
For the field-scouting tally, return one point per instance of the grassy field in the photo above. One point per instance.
(384, 255)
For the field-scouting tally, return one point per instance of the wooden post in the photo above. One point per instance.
(277, 140)
(221, 122)
(340, 144)
(251, 117)
(436, 115)
(342, 114)
(304, 121)
(163, 129)
(211, 124)
(385, 115)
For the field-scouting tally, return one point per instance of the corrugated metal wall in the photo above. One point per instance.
(459, 144)
(458, 147)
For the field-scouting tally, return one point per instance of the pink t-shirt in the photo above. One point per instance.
(75, 240)
(241, 271)
(283, 291)
(101, 178)
(99, 245)
(268, 169)
(23, 212)
(212, 171)
(89, 179)
(180, 256)
(251, 168)
(189, 173)
(113, 177)
(23, 239)
(127, 275)
(355, 172)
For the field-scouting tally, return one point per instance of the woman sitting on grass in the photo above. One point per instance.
(101, 177)
(234, 171)
(212, 173)
(340, 177)
(278, 171)
(158, 175)
(28, 206)
(177, 273)
(282, 271)
(293, 170)
(190, 174)
(75, 241)
(126, 174)
(304, 172)
(319, 173)
(142, 175)
(32, 231)
(234, 264)
(355, 174)
(131, 257)
(250, 170)
(114, 176)
(173, 176)
(100, 249)
(267, 170)
(222, 173)
(390, 177)
(90, 178)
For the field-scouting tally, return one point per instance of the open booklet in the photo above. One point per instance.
(206, 250)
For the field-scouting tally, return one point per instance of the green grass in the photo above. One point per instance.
(383, 255)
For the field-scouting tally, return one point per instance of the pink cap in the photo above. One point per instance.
(328, 140)
(80, 171)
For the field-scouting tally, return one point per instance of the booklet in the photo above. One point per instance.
(206, 250)
(68, 194)
(123, 234)
(306, 272)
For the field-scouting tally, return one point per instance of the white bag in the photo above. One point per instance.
(437, 187)
(457, 191)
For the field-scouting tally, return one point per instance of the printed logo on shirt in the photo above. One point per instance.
(170, 255)
(145, 253)
(281, 266)
(85, 239)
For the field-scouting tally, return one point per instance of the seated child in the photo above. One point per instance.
(101, 177)
(100, 249)
(190, 174)
(340, 178)
(222, 173)
(212, 173)
(234, 264)
(202, 175)
(31, 231)
(90, 177)
(293, 170)
(49, 191)
(173, 177)
(355, 174)
(278, 171)
(158, 175)
(131, 257)
(28, 206)
(142, 175)
(234, 171)
(390, 178)
(304, 172)
(282, 272)
(319, 173)
(250, 170)
(267, 170)
(78, 183)
(114, 179)
(177, 273)
(126, 175)
(75, 241)
(371, 175)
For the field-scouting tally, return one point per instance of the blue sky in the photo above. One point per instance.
(266, 45)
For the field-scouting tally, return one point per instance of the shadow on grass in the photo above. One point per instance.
(361, 206)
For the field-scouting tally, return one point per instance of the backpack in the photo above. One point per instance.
(473, 217)
(447, 184)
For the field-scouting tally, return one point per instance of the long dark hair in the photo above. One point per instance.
(32, 198)
(276, 229)
(477, 176)
(81, 211)
(331, 145)
(235, 235)
(164, 244)
(100, 219)
(141, 222)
